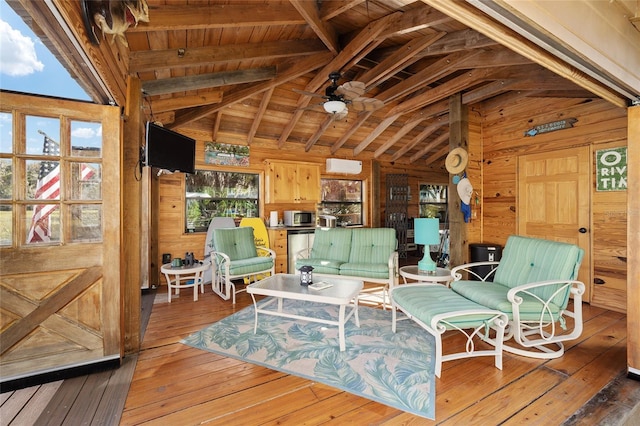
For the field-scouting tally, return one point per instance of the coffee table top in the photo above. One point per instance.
(288, 286)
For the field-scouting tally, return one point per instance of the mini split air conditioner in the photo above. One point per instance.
(350, 167)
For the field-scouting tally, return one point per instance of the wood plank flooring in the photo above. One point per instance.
(175, 384)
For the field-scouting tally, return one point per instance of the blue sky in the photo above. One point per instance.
(26, 65)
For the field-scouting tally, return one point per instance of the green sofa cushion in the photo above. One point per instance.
(426, 302)
(331, 244)
(250, 265)
(494, 296)
(237, 243)
(527, 260)
(372, 245)
(320, 266)
(365, 270)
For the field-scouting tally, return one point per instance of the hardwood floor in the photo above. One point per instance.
(174, 384)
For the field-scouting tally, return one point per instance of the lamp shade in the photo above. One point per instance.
(426, 230)
(334, 107)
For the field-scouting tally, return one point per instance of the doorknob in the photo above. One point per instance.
(582, 230)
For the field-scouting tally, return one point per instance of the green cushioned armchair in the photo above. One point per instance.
(235, 256)
(532, 284)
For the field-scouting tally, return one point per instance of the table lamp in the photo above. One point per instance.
(427, 232)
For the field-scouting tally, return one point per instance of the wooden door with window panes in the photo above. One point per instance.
(59, 235)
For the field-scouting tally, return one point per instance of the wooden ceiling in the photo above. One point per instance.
(238, 67)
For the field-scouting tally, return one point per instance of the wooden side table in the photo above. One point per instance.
(440, 275)
(191, 275)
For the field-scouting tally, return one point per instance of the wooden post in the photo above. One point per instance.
(458, 137)
(131, 217)
(633, 241)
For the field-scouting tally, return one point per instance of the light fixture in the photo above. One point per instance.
(427, 232)
(334, 107)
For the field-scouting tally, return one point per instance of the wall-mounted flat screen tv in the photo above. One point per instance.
(169, 150)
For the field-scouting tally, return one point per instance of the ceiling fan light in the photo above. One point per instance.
(334, 107)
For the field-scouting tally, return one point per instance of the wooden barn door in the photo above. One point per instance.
(60, 303)
(554, 198)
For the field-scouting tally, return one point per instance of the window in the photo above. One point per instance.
(342, 198)
(433, 201)
(50, 180)
(212, 194)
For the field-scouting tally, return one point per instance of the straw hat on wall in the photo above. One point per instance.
(456, 161)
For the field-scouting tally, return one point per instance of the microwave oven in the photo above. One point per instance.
(299, 218)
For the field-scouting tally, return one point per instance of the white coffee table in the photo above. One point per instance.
(343, 293)
(440, 275)
(191, 275)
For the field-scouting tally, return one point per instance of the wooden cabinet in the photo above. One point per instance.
(292, 182)
(278, 243)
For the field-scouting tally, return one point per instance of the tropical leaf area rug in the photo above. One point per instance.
(395, 369)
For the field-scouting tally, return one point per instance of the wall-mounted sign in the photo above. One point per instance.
(226, 154)
(611, 169)
(551, 127)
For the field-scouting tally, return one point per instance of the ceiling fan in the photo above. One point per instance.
(339, 96)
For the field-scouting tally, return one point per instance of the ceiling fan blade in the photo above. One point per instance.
(351, 90)
(303, 92)
(366, 104)
(313, 107)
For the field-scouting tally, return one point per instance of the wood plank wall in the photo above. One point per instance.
(496, 139)
(600, 125)
(170, 209)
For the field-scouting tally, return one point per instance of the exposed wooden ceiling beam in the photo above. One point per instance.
(181, 102)
(428, 130)
(408, 126)
(426, 76)
(332, 8)
(398, 60)
(319, 132)
(204, 81)
(487, 91)
(362, 117)
(292, 71)
(464, 40)
(412, 20)
(168, 17)
(151, 60)
(266, 97)
(360, 42)
(477, 20)
(437, 155)
(323, 29)
(442, 139)
(499, 56)
(455, 85)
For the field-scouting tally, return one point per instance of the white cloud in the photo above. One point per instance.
(83, 133)
(17, 53)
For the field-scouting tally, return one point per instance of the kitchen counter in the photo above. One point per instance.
(299, 228)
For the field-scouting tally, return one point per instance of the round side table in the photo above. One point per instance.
(191, 275)
(440, 275)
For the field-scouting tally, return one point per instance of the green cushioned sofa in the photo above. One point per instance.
(368, 254)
